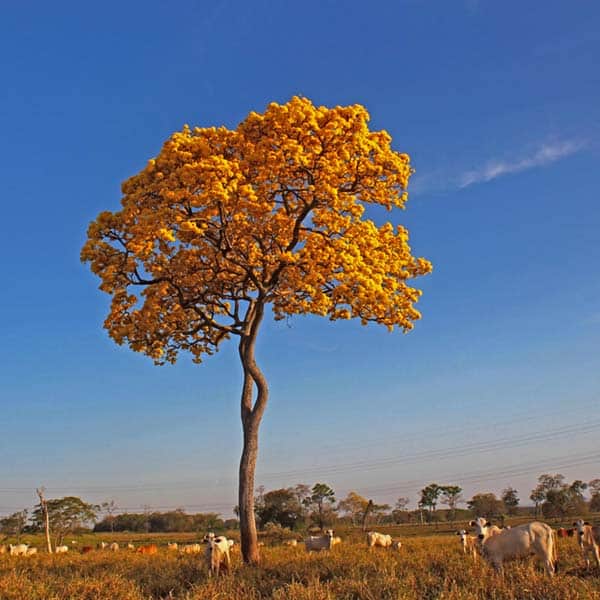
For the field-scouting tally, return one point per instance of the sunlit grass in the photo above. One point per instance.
(425, 568)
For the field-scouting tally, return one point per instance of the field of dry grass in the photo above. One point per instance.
(426, 568)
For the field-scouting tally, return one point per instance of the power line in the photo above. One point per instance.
(362, 466)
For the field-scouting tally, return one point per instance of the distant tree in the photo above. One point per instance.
(577, 488)
(565, 500)
(353, 505)
(594, 486)
(225, 227)
(511, 500)
(379, 512)
(231, 524)
(400, 514)
(549, 482)
(66, 515)
(302, 492)
(13, 525)
(164, 522)
(486, 505)
(451, 496)
(537, 496)
(109, 508)
(280, 507)
(321, 499)
(430, 496)
(546, 483)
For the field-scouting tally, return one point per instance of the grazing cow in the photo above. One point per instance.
(148, 549)
(521, 541)
(396, 545)
(191, 548)
(86, 549)
(17, 549)
(113, 547)
(588, 538)
(293, 543)
(101, 545)
(171, 545)
(484, 529)
(561, 532)
(468, 542)
(31, 551)
(217, 554)
(378, 539)
(316, 543)
(61, 549)
(130, 546)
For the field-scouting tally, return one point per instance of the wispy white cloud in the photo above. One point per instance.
(546, 154)
(443, 180)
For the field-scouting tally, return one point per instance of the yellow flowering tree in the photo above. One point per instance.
(223, 223)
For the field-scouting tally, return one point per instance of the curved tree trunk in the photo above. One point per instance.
(251, 412)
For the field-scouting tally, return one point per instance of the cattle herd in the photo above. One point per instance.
(496, 545)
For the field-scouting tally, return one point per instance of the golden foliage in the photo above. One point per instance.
(271, 212)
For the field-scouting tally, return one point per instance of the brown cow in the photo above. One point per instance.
(562, 532)
(86, 549)
(148, 549)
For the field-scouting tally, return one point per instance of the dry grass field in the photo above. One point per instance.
(429, 567)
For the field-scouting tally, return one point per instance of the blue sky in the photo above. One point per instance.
(498, 105)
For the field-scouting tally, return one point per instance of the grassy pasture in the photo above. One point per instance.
(426, 568)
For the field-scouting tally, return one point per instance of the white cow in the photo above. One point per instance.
(378, 539)
(191, 549)
(521, 541)
(171, 545)
(588, 538)
(31, 551)
(17, 549)
(130, 546)
(316, 543)
(484, 529)
(113, 547)
(217, 554)
(468, 543)
(61, 549)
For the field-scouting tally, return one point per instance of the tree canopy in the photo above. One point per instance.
(273, 209)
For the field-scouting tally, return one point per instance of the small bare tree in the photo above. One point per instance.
(44, 506)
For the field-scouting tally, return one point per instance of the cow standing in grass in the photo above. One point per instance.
(217, 554)
(519, 542)
(468, 543)
(316, 543)
(588, 538)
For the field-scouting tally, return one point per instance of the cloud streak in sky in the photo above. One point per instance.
(547, 154)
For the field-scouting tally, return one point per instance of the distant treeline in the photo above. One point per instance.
(164, 522)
